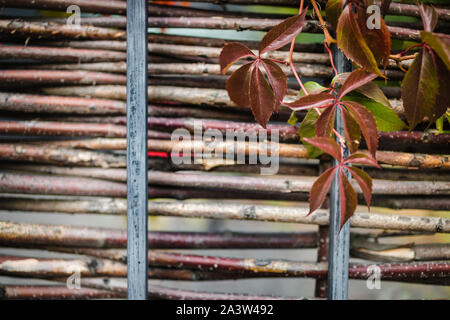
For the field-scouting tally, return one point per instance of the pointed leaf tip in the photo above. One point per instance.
(327, 145)
(319, 189)
(282, 33)
(231, 53)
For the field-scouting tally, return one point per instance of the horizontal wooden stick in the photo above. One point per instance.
(390, 201)
(55, 30)
(119, 7)
(239, 148)
(399, 253)
(40, 292)
(245, 183)
(215, 210)
(158, 292)
(19, 102)
(60, 54)
(38, 235)
(175, 39)
(158, 93)
(58, 77)
(307, 70)
(219, 22)
(62, 128)
(60, 156)
(95, 267)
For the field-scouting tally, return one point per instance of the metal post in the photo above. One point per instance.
(339, 242)
(137, 166)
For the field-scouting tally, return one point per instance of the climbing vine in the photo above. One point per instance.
(261, 85)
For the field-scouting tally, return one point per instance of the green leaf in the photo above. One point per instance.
(440, 124)
(387, 120)
(293, 119)
(308, 130)
(312, 88)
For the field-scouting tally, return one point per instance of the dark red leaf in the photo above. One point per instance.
(443, 95)
(238, 86)
(419, 89)
(378, 39)
(231, 53)
(361, 158)
(352, 130)
(319, 189)
(367, 123)
(347, 198)
(429, 17)
(277, 80)
(325, 122)
(351, 41)
(262, 98)
(364, 181)
(327, 145)
(355, 80)
(309, 101)
(282, 33)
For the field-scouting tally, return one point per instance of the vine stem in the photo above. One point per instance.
(328, 38)
(291, 51)
(330, 54)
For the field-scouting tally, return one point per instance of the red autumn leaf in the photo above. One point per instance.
(364, 181)
(367, 122)
(231, 53)
(327, 145)
(325, 122)
(319, 189)
(309, 101)
(351, 41)
(440, 43)
(238, 86)
(347, 198)
(429, 17)
(443, 95)
(378, 39)
(356, 79)
(419, 89)
(361, 158)
(352, 131)
(282, 33)
(277, 80)
(262, 98)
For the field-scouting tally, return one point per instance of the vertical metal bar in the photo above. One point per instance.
(322, 241)
(137, 166)
(338, 254)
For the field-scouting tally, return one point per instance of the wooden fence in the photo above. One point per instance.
(63, 92)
